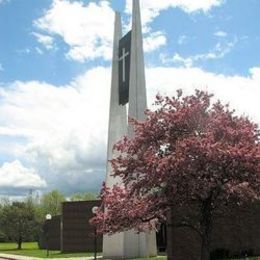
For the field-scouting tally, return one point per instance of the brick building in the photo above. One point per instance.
(233, 235)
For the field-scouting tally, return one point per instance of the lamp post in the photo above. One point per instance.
(48, 218)
(94, 211)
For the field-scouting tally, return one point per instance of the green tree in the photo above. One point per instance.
(4, 201)
(51, 203)
(83, 196)
(18, 222)
(190, 157)
(33, 203)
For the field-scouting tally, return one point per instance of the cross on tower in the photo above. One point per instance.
(123, 59)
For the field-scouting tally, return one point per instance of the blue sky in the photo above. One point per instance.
(55, 58)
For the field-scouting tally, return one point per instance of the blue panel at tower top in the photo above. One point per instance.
(124, 68)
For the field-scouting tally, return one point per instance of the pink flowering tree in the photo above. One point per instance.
(189, 151)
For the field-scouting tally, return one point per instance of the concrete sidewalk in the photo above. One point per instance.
(19, 257)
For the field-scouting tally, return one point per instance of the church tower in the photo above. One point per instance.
(128, 85)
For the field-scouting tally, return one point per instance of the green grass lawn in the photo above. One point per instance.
(153, 258)
(164, 258)
(31, 249)
(250, 258)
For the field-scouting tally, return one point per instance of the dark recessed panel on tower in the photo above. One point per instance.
(124, 68)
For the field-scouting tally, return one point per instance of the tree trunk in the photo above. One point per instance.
(19, 242)
(169, 231)
(205, 248)
(19, 245)
(206, 225)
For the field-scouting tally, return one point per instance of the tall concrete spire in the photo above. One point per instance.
(142, 244)
(137, 86)
(113, 245)
(117, 116)
(128, 244)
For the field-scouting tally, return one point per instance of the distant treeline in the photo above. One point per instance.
(22, 221)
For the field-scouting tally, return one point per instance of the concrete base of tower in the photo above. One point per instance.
(129, 245)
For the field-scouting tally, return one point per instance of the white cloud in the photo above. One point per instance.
(45, 40)
(38, 50)
(255, 73)
(154, 41)
(25, 51)
(4, 1)
(87, 29)
(177, 58)
(15, 175)
(182, 39)
(151, 9)
(64, 128)
(241, 92)
(220, 34)
(218, 52)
